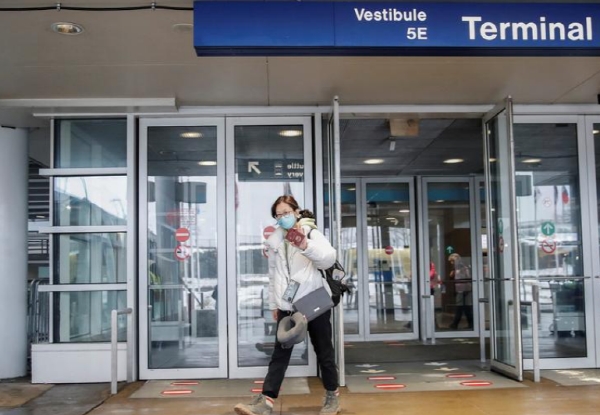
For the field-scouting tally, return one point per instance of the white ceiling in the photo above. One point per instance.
(137, 54)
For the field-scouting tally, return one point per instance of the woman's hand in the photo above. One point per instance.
(275, 314)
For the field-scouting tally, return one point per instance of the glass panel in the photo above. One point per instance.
(502, 260)
(389, 258)
(349, 245)
(269, 163)
(451, 274)
(90, 143)
(550, 237)
(94, 258)
(182, 247)
(90, 201)
(84, 316)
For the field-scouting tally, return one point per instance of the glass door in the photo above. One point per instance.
(506, 355)
(450, 255)
(266, 158)
(387, 290)
(183, 332)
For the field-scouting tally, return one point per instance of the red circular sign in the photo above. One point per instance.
(389, 250)
(182, 252)
(268, 231)
(548, 246)
(182, 234)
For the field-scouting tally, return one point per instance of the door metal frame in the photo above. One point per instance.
(178, 373)
(476, 252)
(364, 259)
(235, 371)
(516, 371)
(589, 234)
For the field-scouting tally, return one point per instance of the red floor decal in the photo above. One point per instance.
(177, 392)
(390, 386)
(460, 375)
(184, 383)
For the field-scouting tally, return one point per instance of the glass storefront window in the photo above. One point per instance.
(97, 258)
(84, 316)
(90, 201)
(550, 236)
(90, 143)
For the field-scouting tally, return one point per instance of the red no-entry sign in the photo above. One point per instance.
(268, 231)
(389, 250)
(182, 234)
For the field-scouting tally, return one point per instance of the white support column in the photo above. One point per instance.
(13, 252)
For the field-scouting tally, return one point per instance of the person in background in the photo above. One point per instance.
(461, 275)
(300, 262)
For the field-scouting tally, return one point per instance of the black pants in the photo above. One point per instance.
(463, 306)
(320, 336)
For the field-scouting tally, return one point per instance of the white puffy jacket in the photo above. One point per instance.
(303, 265)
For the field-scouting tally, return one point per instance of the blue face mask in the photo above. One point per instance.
(287, 222)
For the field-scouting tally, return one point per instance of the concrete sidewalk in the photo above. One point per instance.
(546, 398)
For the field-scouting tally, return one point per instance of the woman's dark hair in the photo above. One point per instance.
(291, 202)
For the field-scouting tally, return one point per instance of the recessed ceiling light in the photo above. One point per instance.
(40, 216)
(351, 189)
(492, 160)
(182, 27)
(404, 211)
(66, 28)
(207, 163)
(191, 134)
(596, 131)
(440, 201)
(453, 161)
(532, 161)
(391, 218)
(290, 133)
(373, 161)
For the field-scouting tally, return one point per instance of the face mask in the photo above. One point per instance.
(287, 222)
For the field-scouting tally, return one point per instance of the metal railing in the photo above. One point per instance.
(429, 317)
(534, 303)
(482, 303)
(113, 348)
(38, 319)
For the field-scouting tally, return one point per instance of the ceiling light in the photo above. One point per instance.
(183, 27)
(404, 211)
(532, 161)
(290, 133)
(391, 218)
(453, 161)
(373, 161)
(440, 201)
(492, 160)
(351, 189)
(66, 28)
(207, 163)
(191, 134)
(596, 131)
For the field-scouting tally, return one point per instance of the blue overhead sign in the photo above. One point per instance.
(288, 28)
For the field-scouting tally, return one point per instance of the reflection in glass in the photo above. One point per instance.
(182, 248)
(96, 258)
(448, 211)
(84, 316)
(90, 201)
(269, 163)
(389, 258)
(90, 143)
(550, 237)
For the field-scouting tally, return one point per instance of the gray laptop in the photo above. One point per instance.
(313, 304)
